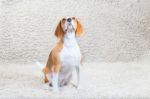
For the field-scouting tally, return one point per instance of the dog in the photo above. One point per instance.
(65, 56)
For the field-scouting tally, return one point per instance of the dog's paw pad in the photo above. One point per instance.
(50, 85)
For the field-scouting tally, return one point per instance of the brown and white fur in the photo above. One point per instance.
(65, 56)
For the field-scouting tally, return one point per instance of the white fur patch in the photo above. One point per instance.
(70, 58)
(70, 54)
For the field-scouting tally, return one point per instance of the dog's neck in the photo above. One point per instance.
(70, 39)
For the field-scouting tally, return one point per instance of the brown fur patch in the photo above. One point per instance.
(59, 31)
(79, 29)
(53, 62)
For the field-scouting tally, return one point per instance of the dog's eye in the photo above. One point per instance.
(73, 18)
(63, 19)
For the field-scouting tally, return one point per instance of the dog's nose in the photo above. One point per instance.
(69, 20)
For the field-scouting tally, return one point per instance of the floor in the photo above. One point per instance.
(98, 80)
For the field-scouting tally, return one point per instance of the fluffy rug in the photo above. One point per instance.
(98, 80)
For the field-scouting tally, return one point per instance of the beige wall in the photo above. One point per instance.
(115, 30)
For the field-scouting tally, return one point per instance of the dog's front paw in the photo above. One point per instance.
(50, 84)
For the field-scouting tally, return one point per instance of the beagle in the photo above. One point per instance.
(65, 56)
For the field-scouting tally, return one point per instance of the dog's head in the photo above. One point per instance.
(66, 25)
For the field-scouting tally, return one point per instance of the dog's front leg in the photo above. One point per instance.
(78, 75)
(55, 82)
(55, 77)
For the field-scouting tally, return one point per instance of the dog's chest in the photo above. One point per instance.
(70, 53)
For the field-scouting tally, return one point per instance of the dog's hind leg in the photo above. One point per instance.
(45, 79)
(45, 71)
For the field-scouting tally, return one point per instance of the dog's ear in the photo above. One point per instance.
(59, 31)
(79, 29)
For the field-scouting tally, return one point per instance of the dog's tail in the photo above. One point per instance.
(40, 65)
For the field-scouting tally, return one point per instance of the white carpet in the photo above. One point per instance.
(98, 80)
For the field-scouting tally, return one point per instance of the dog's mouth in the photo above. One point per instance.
(69, 28)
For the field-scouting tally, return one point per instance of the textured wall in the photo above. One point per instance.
(115, 30)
